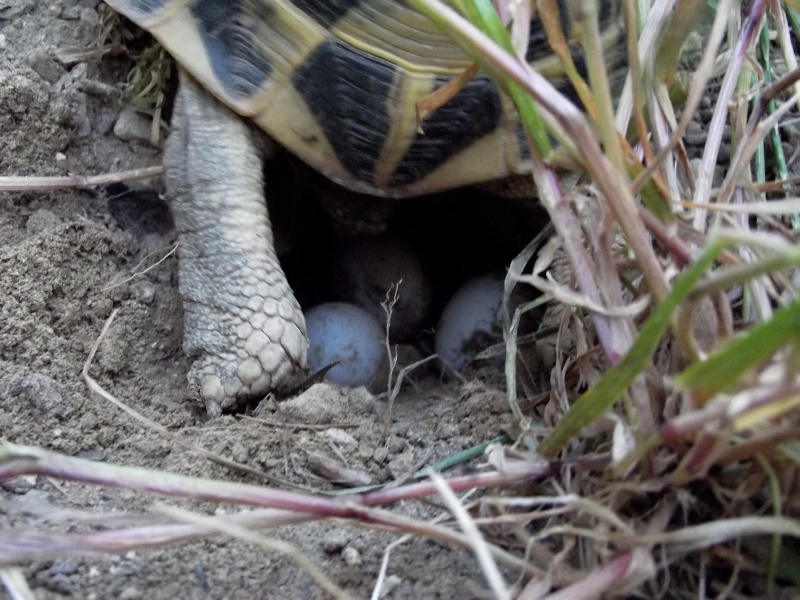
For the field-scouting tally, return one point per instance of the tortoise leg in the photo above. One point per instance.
(241, 318)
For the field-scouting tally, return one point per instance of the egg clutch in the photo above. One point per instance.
(352, 332)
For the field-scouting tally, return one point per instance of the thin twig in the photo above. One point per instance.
(27, 184)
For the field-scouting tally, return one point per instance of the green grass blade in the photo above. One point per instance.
(726, 367)
(596, 401)
(485, 17)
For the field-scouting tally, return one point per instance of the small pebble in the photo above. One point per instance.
(379, 455)
(132, 126)
(67, 566)
(340, 436)
(41, 220)
(43, 393)
(334, 542)
(144, 292)
(131, 593)
(402, 465)
(351, 556)
(43, 63)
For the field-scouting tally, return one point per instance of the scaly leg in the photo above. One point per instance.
(241, 318)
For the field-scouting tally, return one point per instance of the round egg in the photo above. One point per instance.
(370, 267)
(348, 335)
(471, 321)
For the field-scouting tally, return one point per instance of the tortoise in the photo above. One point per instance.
(336, 82)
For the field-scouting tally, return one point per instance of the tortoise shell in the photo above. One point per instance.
(337, 83)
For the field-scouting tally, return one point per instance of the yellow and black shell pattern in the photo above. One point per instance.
(337, 83)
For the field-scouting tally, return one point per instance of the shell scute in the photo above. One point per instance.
(326, 12)
(349, 92)
(474, 112)
(228, 35)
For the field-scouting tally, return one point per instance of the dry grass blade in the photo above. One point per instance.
(18, 547)
(286, 507)
(21, 184)
(618, 576)
(16, 584)
(479, 547)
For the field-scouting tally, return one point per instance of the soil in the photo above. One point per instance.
(66, 264)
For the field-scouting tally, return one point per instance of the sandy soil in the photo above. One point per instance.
(66, 264)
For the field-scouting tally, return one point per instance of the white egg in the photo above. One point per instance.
(370, 267)
(344, 333)
(471, 321)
